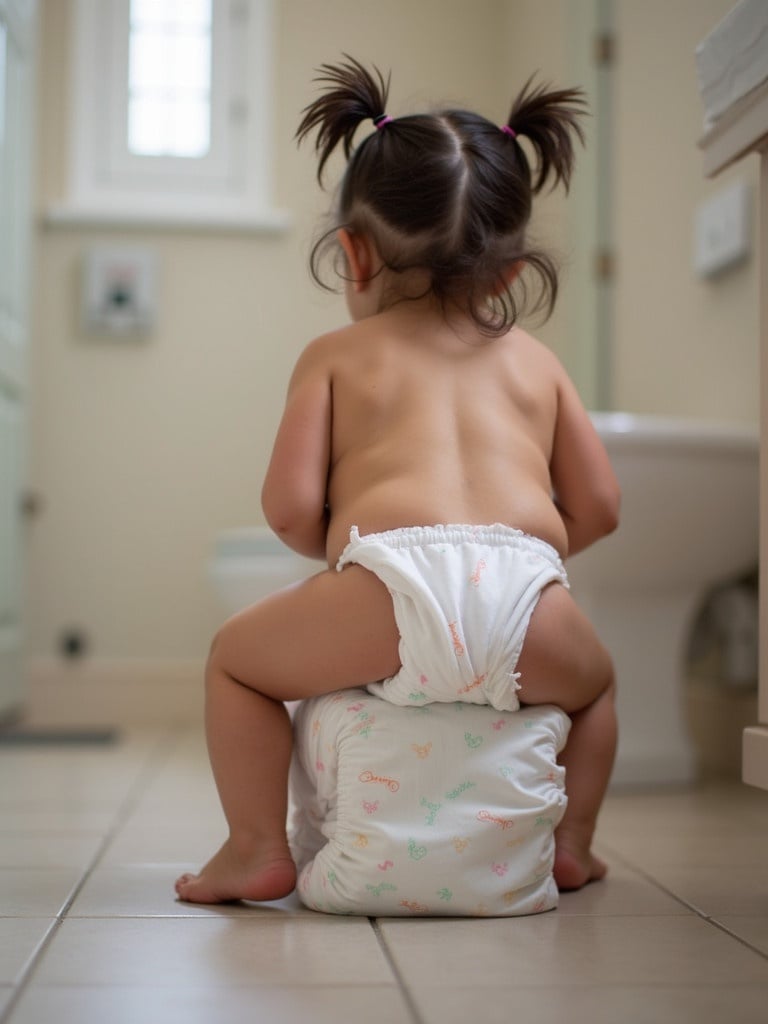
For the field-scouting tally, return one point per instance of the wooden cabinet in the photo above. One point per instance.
(743, 129)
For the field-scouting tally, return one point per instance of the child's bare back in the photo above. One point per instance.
(426, 425)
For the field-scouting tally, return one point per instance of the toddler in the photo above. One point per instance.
(439, 458)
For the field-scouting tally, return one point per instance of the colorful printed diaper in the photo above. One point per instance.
(443, 809)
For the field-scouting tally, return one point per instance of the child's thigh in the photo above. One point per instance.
(562, 661)
(331, 631)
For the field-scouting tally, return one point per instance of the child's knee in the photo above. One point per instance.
(605, 674)
(217, 652)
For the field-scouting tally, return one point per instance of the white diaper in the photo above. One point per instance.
(463, 597)
(446, 809)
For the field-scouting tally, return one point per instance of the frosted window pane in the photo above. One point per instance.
(148, 12)
(181, 12)
(169, 78)
(148, 68)
(191, 132)
(166, 62)
(190, 57)
(158, 128)
(147, 127)
(193, 12)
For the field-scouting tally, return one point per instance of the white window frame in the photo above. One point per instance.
(230, 187)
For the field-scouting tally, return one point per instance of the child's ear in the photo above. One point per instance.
(507, 276)
(357, 250)
(512, 271)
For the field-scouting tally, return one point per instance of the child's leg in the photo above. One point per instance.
(588, 760)
(564, 663)
(333, 631)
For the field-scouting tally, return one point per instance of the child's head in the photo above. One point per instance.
(449, 192)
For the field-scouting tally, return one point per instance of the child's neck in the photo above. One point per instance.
(426, 315)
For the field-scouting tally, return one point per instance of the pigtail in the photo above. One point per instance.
(354, 95)
(550, 121)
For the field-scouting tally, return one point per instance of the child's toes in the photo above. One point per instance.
(182, 883)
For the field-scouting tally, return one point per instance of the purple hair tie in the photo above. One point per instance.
(381, 120)
(509, 131)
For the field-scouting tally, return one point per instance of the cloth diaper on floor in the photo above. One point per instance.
(444, 809)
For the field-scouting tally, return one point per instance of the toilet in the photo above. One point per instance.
(251, 563)
(689, 522)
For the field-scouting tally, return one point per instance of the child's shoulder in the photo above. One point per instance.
(324, 348)
(534, 350)
(333, 341)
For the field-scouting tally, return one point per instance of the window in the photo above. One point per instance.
(169, 78)
(171, 113)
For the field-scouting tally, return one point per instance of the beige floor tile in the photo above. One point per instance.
(373, 1004)
(48, 849)
(717, 890)
(622, 950)
(35, 892)
(683, 849)
(59, 818)
(146, 890)
(624, 892)
(190, 841)
(554, 949)
(72, 776)
(19, 938)
(6, 993)
(608, 1005)
(753, 930)
(214, 953)
(187, 777)
(705, 811)
(178, 800)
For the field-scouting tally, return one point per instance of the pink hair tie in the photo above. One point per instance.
(509, 131)
(381, 120)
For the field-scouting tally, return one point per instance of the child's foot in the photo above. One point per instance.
(574, 869)
(228, 876)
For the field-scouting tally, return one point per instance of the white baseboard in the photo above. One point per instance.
(113, 691)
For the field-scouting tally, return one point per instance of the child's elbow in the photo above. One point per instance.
(297, 526)
(279, 516)
(608, 510)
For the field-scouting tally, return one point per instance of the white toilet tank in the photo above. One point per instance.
(251, 563)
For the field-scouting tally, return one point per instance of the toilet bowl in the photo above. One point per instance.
(251, 563)
(689, 521)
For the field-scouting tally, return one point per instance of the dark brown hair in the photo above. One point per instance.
(448, 192)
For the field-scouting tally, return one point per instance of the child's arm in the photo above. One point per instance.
(293, 496)
(585, 488)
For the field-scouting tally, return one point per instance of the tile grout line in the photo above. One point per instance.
(404, 991)
(136, 790)
(738, 938)
(20, 984)
(143, 779)
(683, 902)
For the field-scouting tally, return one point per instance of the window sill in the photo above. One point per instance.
(146, 217)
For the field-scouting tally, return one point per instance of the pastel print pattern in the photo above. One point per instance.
(424, 812)
(416, 852)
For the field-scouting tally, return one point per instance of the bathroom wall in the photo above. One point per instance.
(677, 344)
(142, 452)
(683, 345)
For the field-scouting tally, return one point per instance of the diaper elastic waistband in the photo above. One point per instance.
(496, 535)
